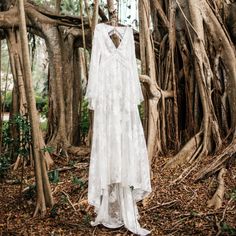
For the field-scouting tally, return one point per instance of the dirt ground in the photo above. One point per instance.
(170, 210)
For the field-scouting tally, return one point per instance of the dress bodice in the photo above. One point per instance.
(119, 63)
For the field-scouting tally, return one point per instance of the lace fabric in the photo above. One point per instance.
(119, 174)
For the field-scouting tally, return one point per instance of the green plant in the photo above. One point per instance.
(43, 126)
(233, 194)
(87, 219)
(48, 149)
(6, 140)
(78, 181)
(71, 162)
(54, 176)
(5, 162)
(8, 101)
(193, 213)
(228, 229)
(5, 159)
(40, 102)
(44, 110)
(23, 141)
(20, 145)
(141, 111)
(84, 124)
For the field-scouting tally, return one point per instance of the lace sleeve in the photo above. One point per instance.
(136, 83)
(91, 90)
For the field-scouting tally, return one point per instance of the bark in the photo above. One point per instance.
(217, 199)
(1, 114)
(58, 6)
(19, 104)
(95, 15)
(151, 126)
(44, 195)
(231, 20)
(195, 67)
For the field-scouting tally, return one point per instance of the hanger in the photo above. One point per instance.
(115, 31)
(113, 22)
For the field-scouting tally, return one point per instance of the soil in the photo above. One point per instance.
(179, 209)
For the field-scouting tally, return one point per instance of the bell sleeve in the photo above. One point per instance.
(138, 95)
(91, 94)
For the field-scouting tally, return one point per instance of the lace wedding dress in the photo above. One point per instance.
(119, 174)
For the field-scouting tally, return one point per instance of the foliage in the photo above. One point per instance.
(233, 194)
(70, 7)
(84, 123)
(41, 103)
(228, 229)
(4, 165)
(44, 110)
(6, 140)
(141, 111)
(78, 181)
(7, 101)
(23, 141)
(43, 126)
(48, 149)
(54, 176)
(46, 3)
(87, 219)
(20, 145)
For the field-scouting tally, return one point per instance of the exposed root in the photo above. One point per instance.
(78, 151)
(186, 153)
(68, 199)
(216, 200)
(39, 209)
(218, 162)
(200, 152)
(171, 203)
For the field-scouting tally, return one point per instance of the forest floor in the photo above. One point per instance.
(170, 210)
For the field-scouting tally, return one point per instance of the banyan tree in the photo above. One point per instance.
(188, 76)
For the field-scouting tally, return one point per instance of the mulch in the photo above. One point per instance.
(171, 209)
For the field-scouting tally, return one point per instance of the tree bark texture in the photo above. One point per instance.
(44, 195)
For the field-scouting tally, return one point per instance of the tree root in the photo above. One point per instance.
(216, 200)
(218, 162)
(78, 151)
(187, 152)
(68, 199)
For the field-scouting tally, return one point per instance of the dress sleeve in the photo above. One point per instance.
(135, 80)
(92, 86)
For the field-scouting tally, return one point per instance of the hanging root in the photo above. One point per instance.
(17, 162)
(217, 199)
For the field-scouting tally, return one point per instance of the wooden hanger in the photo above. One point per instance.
(113, 22)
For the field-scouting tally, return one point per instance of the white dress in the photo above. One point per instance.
(119, 173)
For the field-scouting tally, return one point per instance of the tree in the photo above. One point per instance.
(188, 67)
(197, 64)
(44, 195)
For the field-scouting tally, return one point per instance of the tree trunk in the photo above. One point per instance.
(188, 68)
(44, 195)
(152, 126)
(58, 6)
(1, 111)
